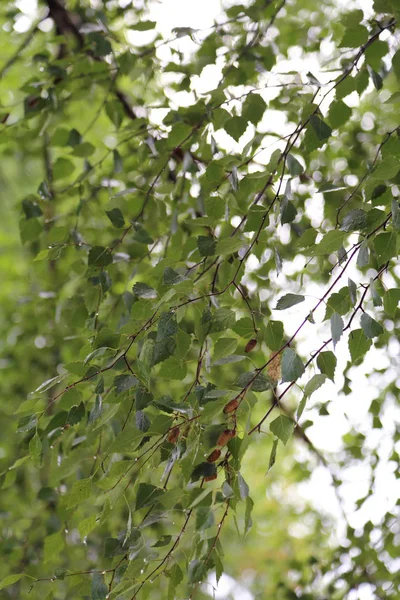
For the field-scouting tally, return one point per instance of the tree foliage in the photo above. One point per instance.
(194, 262)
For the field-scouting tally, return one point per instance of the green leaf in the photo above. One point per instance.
(175, 576)
(331, 242)
(321, 129)
(370, 327)
(81, 490)
(294, 166)
(282, 427)
(359, 344)
(396, 64)
(354, 37)
(291, 366)
(122, 383)
(314, 384)
(338, 302)
(307, 238)
(244, 327)
(229, 245)
(253, 108)
(388, 168)
(83, 150)
(235, 127)
(147, 495)
(363, 255)
(272, 456)
(142, 290)
(336, 328)
(391, 301)
(10, 580)
(144, 25)
(206, 245)
(62, 168)
(260, 382)
(339, 113)
(172, 368)
(326, 363)
(99, 589)
(204, 469)
(178, 134)
(167, 326)
(141, 236)
(274, 334)
(99, 257)
(288, 300)
(243, 487)
(355, 220)
(352, 291)
(171, 277)
(224, 347)
(385, 246)
(288, 211)
(116, 217)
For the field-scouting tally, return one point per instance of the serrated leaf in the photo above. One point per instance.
(244, 327)
(391, 301)
(260, 382)
(336, 328)
(288, 300)
(81, 490)
(370, 327)
(339, 113)
(253, 108)
(294, 166)
(172, 368)
(359, 344)
(352, 291)
(99, 589)
(243, 487)
(291, 366)
(315, 382)
(326, 363)
(224, 347)
(204, 469)
(385, 246)
(99, 257)
(363, 255)
(206, 245)
(355, 220)
(147, 495)
(331, 242)
(321, 129)
(229, 245)
(122, 383)
(142, 290)
(235, 127)
(116, 217)
(167, 326)
(274, 334)
(282, 427)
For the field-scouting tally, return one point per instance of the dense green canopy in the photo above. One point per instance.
(199, 241)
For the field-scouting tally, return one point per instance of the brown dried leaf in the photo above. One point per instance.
(274, 368)
(215, 454)
(173, 435)
(251, 344)
(231, 406)
(225, 436)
